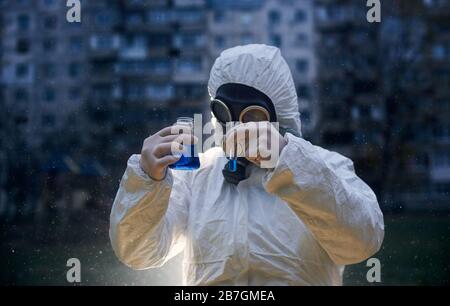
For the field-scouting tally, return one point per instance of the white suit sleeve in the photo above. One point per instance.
(322, 189)
(148, 217)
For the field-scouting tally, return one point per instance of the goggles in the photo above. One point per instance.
(244, 114)
(237, 102)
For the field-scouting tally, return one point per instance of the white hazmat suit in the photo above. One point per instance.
(296, 224)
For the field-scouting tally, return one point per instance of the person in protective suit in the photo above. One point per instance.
(298, 223)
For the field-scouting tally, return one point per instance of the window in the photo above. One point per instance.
(75, 69)
(21, 95)
(104, 42)
(189, 65)
(441, 131)
(103, 92)
(275, 39)
(355, 113)
(442, 188)
(364, 112)
(159, 66)
(332, 112)
(156, 66)
(104, 18)
(247, 39)
(21, 119)
(303, 91)
(306, 117)
(160, 92)
(441, 159)
(49, 70)
(376, 113)
(219, 41)
(49, 95)
(300, 16)
(134, 19)
(158, 16)
(97, 68)
(302, 40)
(190, 91)
(190, 16)
(48, 120)
(301, 65)
(189, 40)
(74, 93)
(22, 70)
(219, 17)
(50, 22)
(246, 19)
(135, 47)
(131, 67)
(50, 3)
(441, 51)
(22, 46)
(23, 22)
(159, 40)
(420, 160)
(75, 44)
(135, 91)
(435, 3)
(49, 44)
(274, 17)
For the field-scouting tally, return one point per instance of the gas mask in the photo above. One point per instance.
(240, 103)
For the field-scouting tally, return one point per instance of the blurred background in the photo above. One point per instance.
(77, 99)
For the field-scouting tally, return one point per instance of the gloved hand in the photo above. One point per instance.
(259, 142)
(163, 149)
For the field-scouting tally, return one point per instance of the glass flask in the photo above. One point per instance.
(189, 158)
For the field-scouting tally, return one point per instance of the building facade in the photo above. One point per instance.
(383, 96)
(147, 66)
(43, 62)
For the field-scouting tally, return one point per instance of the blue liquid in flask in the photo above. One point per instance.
(190, 162)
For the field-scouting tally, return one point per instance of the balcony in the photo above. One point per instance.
(190, 70)
(155, 69)
(133, 53)
(140, 4)
(440, 174)
(103, 46)
(334, 15)
(190, 41)
(437, 8)
(190, 19)
(190, 3)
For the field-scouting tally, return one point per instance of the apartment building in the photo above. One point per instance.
(42, 66)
